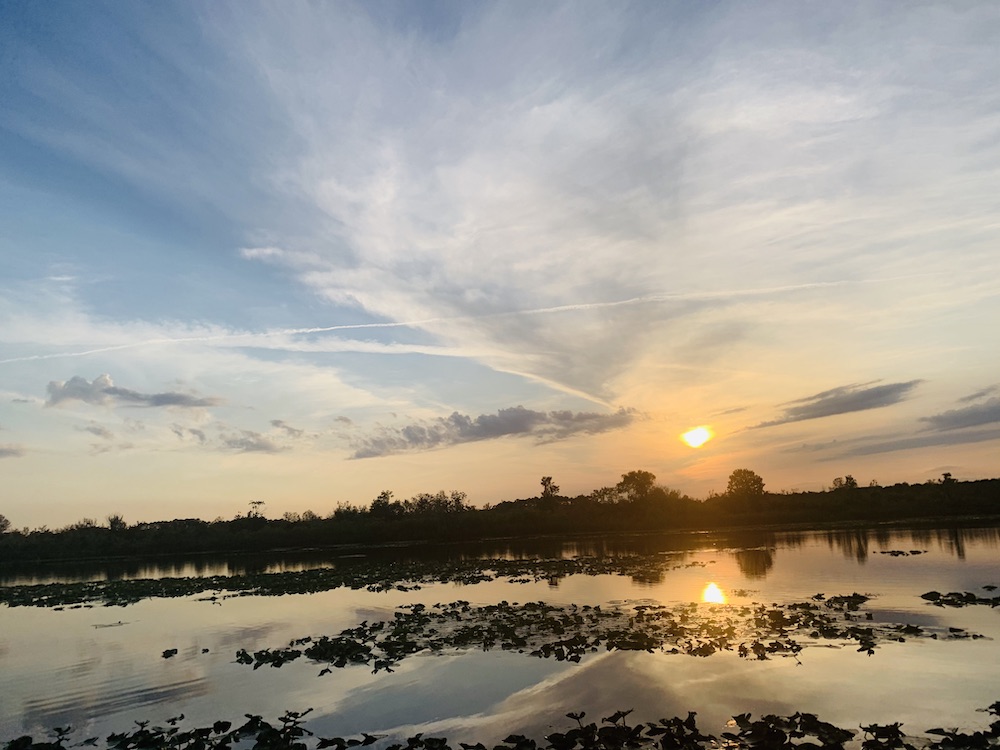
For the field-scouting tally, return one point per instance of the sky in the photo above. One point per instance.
(301, 253)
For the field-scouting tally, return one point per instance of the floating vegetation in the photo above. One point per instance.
(375, 576)
(567, 633)
(901, 552)
(961, 598)
(770, 732)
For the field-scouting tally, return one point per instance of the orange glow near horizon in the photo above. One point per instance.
(697, 437)
(713, 595)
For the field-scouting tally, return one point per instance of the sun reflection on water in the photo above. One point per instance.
(713, 594)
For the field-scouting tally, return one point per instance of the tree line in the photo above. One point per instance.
(635, 503)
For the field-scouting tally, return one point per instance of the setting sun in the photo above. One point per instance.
(697, 437)
(713, 595)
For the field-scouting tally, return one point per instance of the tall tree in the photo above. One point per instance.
(745, 484)
(636, 485)
(116, 522)
(845, 483)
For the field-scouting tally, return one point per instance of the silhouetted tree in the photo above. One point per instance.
(636, 485)
(604, 495)
(635, 503)
(745, 484)
(458, 502)
(116, 522)
(4, 524)
(347, 512)
(846, 483)
(744, 491)
(384, 506)
(549, 488)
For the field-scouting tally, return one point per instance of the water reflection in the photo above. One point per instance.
(52, 673)
(852, 543)
(78, 705)
(713, 594)
(859, 543)
(755, 557)
(755, 563)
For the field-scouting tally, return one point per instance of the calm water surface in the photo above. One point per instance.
(99, 669)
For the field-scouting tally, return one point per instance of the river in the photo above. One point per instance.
(101, 668)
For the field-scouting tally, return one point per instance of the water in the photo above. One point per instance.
(100, 669)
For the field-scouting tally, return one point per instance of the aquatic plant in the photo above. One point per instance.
(568, 633)
(961, 598)
(373, 575)
(770, 732)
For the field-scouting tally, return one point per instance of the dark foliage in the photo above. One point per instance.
(613, 733)
(569, 633)
(634, 504)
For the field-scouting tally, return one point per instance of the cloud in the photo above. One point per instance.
(978, 394)
(184, 432)
(248, 441)
(607, 182)
(460, 428)
(102, 391)
(287, 428)
(969, 416)
(11, 451)
(734, 410)
(95, 429)
(843, 400)
(926, 440)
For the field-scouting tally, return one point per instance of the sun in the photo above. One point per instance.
(697, 437)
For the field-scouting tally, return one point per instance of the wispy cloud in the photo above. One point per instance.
(99, 430)
(588, 206)
(969, 416)
(248, 441)
(843, 400)
(293, 432)
(184, 433)
(733, 410)
(102, 391)
(514, 421)
(522, 205)
(11, 451)
(904, 443)
(982, 393)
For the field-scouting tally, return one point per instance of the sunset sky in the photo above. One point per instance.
(302, 253)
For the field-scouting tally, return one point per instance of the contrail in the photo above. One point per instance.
(641, 300)
(216, 337)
